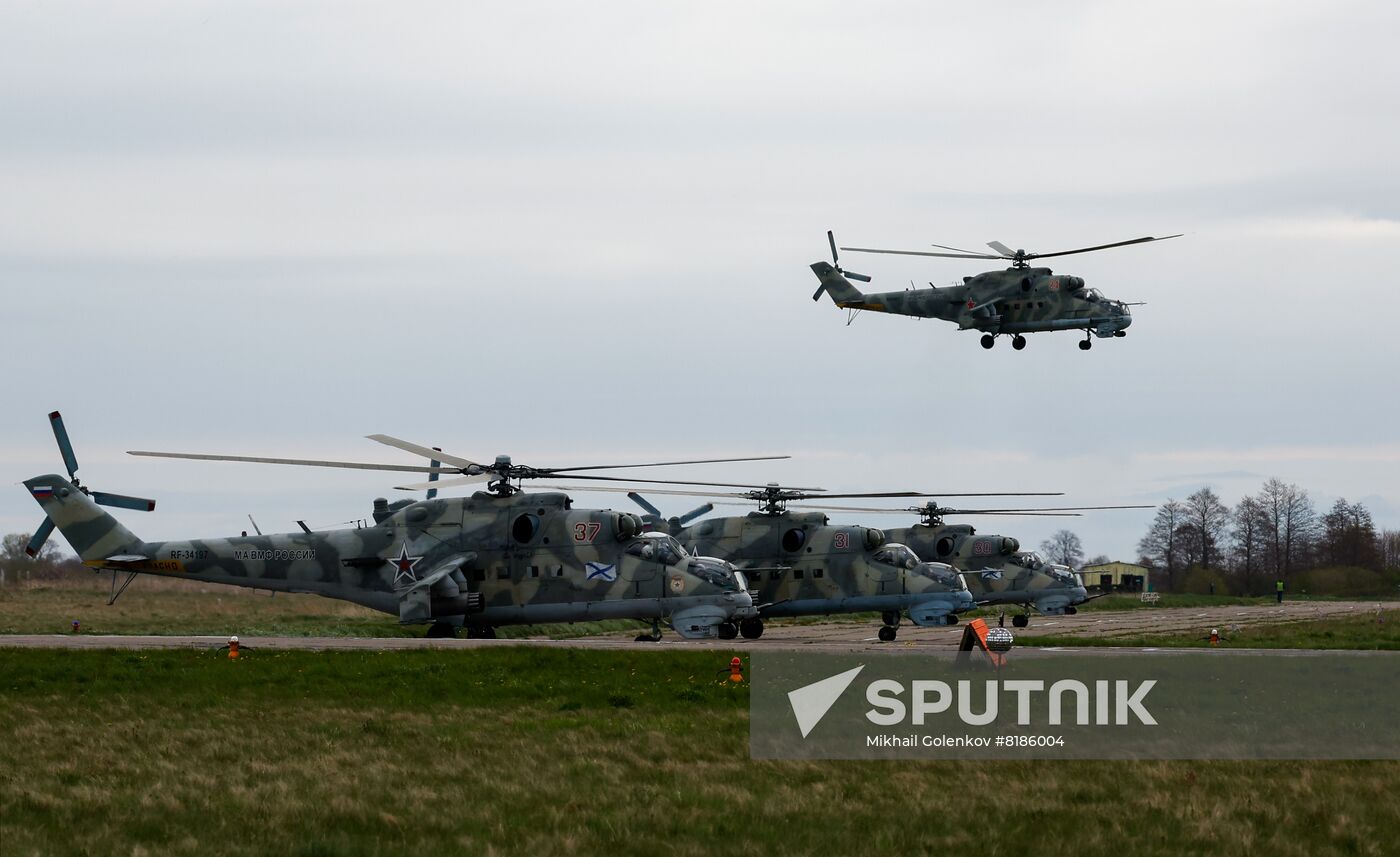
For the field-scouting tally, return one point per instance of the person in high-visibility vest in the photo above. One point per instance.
(1278, 590)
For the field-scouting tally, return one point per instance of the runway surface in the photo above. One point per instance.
(832, 636)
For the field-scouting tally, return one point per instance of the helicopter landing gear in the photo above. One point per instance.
(1120, 333)
(442, 631)
(484, 632)
(1018, 342)
(891, 619)
(1085, 344)
(653, 637)
(988, 340)
(728, 630)
(1021, 620)
(751, 629)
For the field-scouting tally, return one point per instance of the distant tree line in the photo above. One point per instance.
(16, 566)
(1276, 534)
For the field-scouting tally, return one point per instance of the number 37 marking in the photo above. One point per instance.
(585, 533)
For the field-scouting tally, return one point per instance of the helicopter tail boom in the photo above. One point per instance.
(95, 535)
(834, 284)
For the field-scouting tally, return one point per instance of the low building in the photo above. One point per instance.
(1116, 576)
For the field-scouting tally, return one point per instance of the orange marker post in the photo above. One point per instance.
(736, 670)
(233, 648)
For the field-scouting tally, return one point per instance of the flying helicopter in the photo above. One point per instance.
(1013, 302)
(997, 571)
(799, 564)
(501, 556)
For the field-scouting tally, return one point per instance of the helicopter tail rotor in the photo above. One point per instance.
(101, 498)
(657, 521)
(836, 267)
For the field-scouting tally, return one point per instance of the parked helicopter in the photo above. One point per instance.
(798, 564)
(996, 570)
(501, 556)
(1014, 302)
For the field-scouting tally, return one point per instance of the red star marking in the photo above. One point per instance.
(403, 566)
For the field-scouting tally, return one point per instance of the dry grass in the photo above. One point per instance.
(155, 605)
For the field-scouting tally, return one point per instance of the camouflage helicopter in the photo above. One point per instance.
(1014, 302)
(501, 556)
(798, 564)
(997, 571)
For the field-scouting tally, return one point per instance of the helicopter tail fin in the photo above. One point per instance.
(834, 284)
(93, 534)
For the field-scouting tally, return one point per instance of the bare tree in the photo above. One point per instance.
(16, 565)
(1290, 524)
(1063, 548)
(1390, 548)
(1249, 544)
(1209, 519)
(1161, 546)
(1349, 536)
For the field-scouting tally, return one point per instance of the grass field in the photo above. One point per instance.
(1343, 632)
(516, 751)
(155, 605)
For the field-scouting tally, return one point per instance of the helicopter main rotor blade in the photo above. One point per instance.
(1101, 247)
(916, 510)
(427, 452)
(954, 249)
(1001, 248)
(435, 484)
(831, 239)
(663, 464)
(921, 253)
(629, 480)
(304, 462)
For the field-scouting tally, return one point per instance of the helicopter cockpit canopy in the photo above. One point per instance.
(1063, 575)
(657, 547)
(1029, 559)
(1092, 295)
(896, 555)
(941, 572)
(718, 573)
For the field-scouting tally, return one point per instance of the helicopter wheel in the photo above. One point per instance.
(751, 629)
(1021, 621)
(988, 340)
(1018, 342)
(728, 630)
(887, 634)
(1085, 345)
(442, 630)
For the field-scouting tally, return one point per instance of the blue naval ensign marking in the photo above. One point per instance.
(601, 571)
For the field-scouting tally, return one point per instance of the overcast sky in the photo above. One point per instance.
(580, 234)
